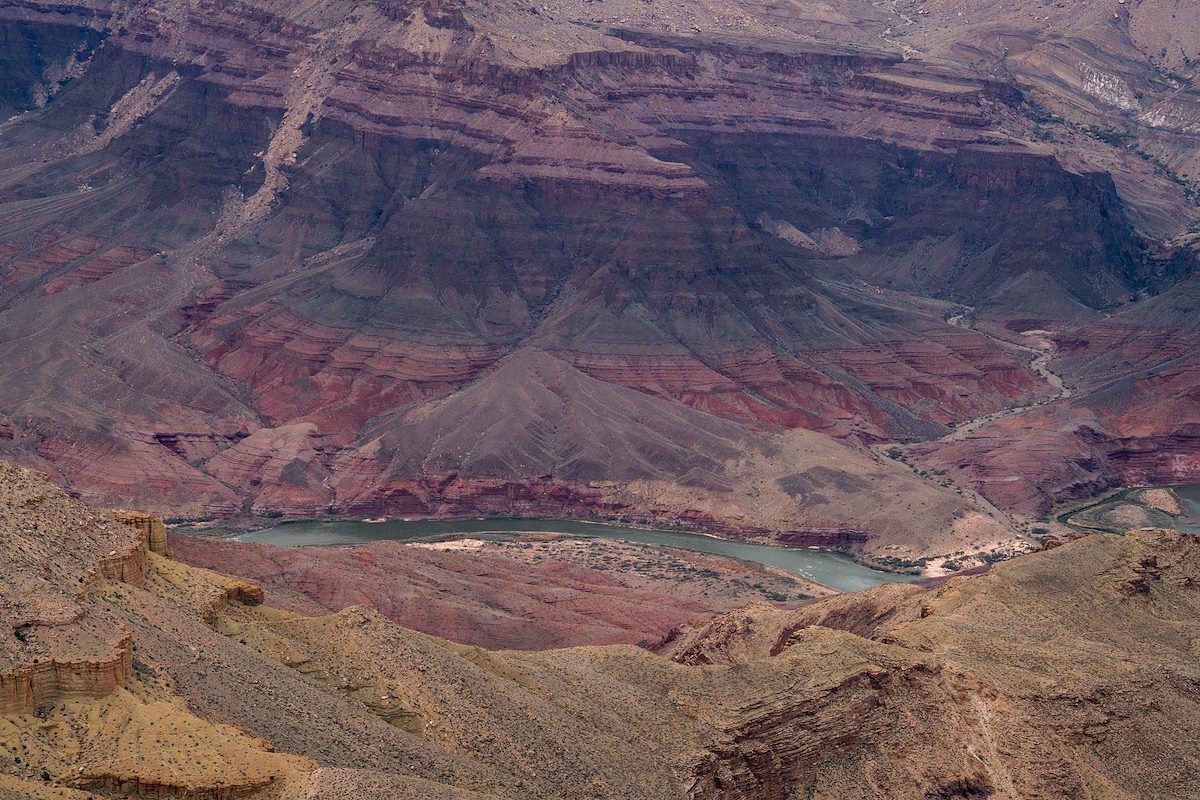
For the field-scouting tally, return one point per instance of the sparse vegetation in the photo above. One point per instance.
(1114, 138)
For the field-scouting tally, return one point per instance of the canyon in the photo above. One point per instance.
(678, 264)
(1067, 672)
(914, 280)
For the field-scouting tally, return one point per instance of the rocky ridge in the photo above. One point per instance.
(1044, 677)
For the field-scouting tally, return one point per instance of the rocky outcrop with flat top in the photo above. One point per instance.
(152, 528)
(1064, 673)
(55, 552)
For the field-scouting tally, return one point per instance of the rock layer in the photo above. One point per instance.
(269, 237)
(522, 595)
(28, 686)
(152, 528)
(55, 648)
(1044, 677)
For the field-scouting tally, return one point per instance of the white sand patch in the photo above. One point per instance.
(457, 544)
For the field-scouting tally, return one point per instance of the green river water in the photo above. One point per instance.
(832, 569)
(1190, 495)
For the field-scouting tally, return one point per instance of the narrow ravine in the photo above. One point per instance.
(1044, 351)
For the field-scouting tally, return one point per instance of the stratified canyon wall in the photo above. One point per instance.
(432, 259)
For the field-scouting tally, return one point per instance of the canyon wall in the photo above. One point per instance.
(285, 251)
(62, 644)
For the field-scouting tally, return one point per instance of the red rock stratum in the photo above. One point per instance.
(436, 258)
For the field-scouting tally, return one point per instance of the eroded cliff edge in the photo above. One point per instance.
(1070, 672)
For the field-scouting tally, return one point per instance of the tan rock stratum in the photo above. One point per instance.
(1069, 673)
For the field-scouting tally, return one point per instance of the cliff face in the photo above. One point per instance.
(58, 554)
(25, 687)
(152, 528)
(77, 597)
(274, 238)
(54, 556)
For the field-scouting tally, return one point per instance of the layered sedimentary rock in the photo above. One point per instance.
(1069, 672)
(151, 527)
(54, 554)
(1130, 417)
(525, 595)
(71, 665)
(982, 663)
(86, 671)
(246, 245)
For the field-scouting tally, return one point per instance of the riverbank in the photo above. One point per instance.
(531, 592)
(831, 568)
(1129, 507)
(832, 540)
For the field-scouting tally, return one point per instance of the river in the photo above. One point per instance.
(1190, 496)
(832, 569)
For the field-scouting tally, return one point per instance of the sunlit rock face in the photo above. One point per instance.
(124, 671)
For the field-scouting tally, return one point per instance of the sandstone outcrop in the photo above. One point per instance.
(25, 687)
(152, 528)
(55, 553)
(79, 706)
(1068, 672)
(969, 653)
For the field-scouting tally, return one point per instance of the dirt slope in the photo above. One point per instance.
(1070, 672)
